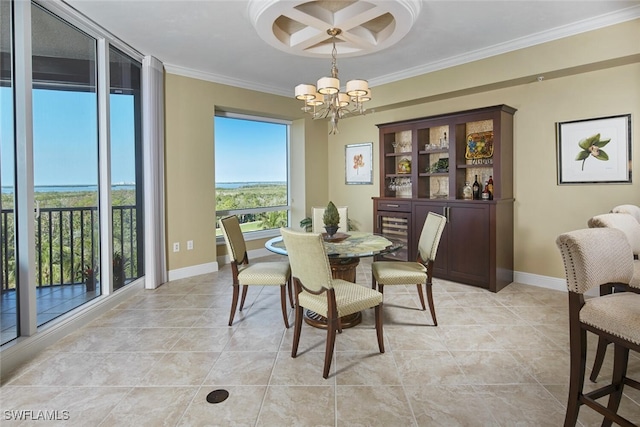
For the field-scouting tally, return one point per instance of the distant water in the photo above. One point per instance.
(69, 188)
(247, 184)
(79, 188)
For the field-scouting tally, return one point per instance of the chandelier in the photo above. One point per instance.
(327, 100)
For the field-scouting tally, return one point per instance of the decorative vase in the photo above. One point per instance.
(331, 229)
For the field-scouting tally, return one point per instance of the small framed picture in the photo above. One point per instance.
(594, 151)
(359, 163)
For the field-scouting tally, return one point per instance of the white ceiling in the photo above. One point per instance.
(217, 41)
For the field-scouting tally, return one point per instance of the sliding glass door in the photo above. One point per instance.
(65, 165)
(8, 296)
(54, 135)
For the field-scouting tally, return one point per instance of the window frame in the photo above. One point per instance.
(259, 234)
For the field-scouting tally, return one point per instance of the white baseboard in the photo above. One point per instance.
(547, 282)
(194, 270)
(540, 281)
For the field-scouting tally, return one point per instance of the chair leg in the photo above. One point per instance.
(577, 358)
(297, 327)
(597, 363)
(283, 303)
(419, 286)
(373, 281)
(290, 287)
(378, 313)
(620, 360)
(245, 288)
(432, 307)
(331, 340)
(234, 302)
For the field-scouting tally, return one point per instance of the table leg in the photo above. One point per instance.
(345, 269)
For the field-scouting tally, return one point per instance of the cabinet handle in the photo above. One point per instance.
(445, 212)
(393, 206)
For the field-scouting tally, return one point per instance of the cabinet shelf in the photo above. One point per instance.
(474, 166)
(433, 174)
(436, 151)
(404, 153)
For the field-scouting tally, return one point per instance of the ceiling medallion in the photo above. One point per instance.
(300, 27)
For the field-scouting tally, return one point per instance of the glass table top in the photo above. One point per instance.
(355, 244)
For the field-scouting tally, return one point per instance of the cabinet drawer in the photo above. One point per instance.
(400, 206)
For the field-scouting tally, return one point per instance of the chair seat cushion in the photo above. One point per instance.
(617, 314)
(399, 273)
(350, 298)
(264, 273)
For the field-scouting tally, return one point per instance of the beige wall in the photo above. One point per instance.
(603, 87)
(590, 75)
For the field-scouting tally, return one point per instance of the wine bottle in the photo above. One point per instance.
(485, 191)
(490, 184)
(476, 189)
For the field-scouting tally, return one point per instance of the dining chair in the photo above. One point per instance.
(318, 222)
(245, 274)
(420, 272)
(633, 210)
(593, 257)
(318, 291)
(631, 229)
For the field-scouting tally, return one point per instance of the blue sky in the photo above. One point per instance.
(250, 151)
(66, 149)
(65, 138)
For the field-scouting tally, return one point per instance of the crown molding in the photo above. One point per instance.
(584, 26)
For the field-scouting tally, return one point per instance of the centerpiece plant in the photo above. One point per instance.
(331, 219)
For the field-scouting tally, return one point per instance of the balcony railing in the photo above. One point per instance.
(67, 245)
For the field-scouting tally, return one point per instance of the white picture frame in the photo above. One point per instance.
(594, 151)
(359, 163)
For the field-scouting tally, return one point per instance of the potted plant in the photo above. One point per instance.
(331, 219)
(89, 275)
(118, 270)
(306, 224)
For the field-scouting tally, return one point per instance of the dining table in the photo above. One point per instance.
(344, 251)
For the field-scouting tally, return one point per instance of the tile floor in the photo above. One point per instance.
(494, 360)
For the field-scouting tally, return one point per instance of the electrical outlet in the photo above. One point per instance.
(189, 245)
(176, 247)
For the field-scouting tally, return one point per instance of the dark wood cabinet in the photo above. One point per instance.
(424, 166)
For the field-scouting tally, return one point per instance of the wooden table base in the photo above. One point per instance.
(345, 269)
(317, 321)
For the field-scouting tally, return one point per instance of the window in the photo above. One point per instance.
(252, 179)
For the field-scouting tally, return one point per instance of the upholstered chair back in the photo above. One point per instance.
(594, 257)
(623, 222)
(233, 238)
(633, 210)
(430, 236)
(308, 259)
